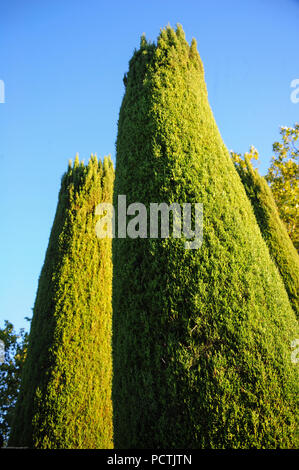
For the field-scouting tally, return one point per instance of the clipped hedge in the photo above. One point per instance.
(273, 229)
(201, 338)
(65, 397)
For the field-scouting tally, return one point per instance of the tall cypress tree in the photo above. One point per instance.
(273, 229)
(65, 396)
(201, 337)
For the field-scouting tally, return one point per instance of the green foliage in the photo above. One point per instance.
(15, 347)
(201, 338)
(65, 396)
(273, 229)
(283, 177)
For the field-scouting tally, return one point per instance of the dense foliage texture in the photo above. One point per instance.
(14, 350)
(201, 337)
(65, 396)
(283, 176)
(273, 229)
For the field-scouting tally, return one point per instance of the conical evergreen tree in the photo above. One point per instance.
(273, 229)
(201, 337)
(65, 396)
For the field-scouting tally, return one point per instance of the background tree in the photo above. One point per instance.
(283, 176)
(65, 395)
(201, 337)
(272, 228)
(15, 348)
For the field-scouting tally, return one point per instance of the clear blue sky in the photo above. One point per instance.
(62, 62)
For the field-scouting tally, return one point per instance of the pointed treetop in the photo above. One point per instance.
(171, 34)
(245, 163)
(143, 41)
(193, 46)
(180, 32)
(76, 162)
(194, 55)
(175, 39)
